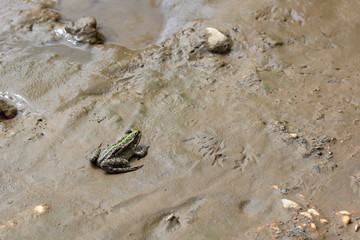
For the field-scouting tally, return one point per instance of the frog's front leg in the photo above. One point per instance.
(140, 151)
(117, 165)
(94, 156)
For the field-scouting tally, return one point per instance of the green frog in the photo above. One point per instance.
(115, 158)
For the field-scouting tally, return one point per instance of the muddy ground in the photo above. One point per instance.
(231, 135)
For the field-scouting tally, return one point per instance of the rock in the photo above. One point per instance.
(82, 31)
(343, 213)
(324, 221)
(345, 219)
(306, 214)
(313, 212)
(217, 42)
(293, 135)
(7, 111)
(313, 226)
(41, 209)
(357, 226)
(290, 204)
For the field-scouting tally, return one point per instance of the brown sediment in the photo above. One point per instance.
(280, 109)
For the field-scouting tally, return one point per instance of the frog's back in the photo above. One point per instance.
(112, 149)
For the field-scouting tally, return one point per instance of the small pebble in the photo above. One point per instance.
(41, 209)
(12, 223)
(357, 226)
(346, 220)
(343, 213)
(300, 228)
(172, 218)
(293, 135)
(313, 212)
(290, 204)
(313, 226)
(259, 229)
(306, 214)
(324, 221)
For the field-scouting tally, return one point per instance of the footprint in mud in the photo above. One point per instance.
(213, 149)
(171, 220)
(245, 159)
(355, 182)
(279, 14)
(209, 147)
(254, 207)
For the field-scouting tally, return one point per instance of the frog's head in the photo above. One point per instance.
(133, 136)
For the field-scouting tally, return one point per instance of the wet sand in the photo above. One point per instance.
(230, 135)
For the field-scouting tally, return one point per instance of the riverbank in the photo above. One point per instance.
(231, 135)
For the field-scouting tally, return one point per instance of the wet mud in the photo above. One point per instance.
(259, 141)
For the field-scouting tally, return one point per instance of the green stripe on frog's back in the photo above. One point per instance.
(125, 139)
(122, 141)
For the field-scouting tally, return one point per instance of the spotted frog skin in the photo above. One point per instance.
(115, 158)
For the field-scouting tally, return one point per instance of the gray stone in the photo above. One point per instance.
(83, 31)
(7, 111)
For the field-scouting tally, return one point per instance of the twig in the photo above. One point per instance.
(301, 232)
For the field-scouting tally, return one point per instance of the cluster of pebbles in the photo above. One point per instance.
(306, 222)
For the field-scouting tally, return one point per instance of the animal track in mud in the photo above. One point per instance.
(246, 159)
(254, 207)
(250, 79)
(209, 147)
(355, 182)
(213, 149)
(278, 14)
(172, 219)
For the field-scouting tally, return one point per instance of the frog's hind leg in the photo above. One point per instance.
(140, 151)
(122, 170)
(117, 165)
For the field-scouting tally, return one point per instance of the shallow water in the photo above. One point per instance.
(140, 23)
(134, 24)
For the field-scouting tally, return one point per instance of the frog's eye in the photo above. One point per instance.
(128, 131)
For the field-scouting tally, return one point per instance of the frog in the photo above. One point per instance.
(115, 158)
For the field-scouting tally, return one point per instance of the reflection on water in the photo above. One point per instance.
(131, 23)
